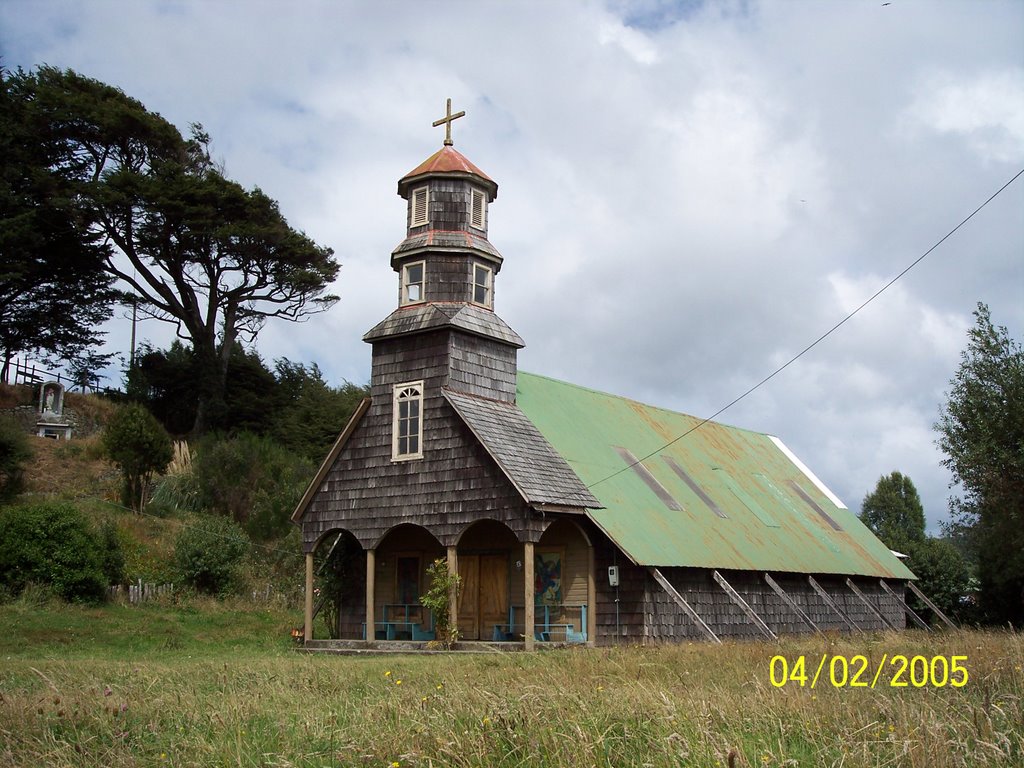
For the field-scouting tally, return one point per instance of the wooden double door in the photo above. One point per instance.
(484, 597)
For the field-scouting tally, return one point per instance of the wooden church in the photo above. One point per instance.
(571, 516)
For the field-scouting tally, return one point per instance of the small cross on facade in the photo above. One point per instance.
(447, 122)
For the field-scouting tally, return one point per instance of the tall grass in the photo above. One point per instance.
(246, 700)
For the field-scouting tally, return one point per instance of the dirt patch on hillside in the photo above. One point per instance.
(71, 467)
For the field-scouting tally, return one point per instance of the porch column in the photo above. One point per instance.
(453, 597)
(528, 596)
(591, 599)
(371, 570)
(308, 629)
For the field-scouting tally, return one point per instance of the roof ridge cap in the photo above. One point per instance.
(701, 420)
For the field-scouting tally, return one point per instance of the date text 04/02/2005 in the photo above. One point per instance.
(859, 672)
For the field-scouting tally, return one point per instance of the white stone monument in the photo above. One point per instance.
(51, 421)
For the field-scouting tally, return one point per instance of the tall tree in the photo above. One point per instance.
(894, 513)
(54, 292)
(312, 412)
(981, 431)
(200, 252)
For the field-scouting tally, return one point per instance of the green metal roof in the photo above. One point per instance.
(720, 497)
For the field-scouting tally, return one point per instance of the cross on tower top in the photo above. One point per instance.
(447, 122)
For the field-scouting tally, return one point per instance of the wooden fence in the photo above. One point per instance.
(141, 592)
(31, 373)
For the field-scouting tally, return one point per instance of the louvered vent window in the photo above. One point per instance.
(419, 207)
(412, 282)
(482, 277)
(478, 209)
(407, 441)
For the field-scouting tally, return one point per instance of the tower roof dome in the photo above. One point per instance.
(447, 161)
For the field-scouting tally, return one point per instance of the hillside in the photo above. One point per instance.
(72, 468)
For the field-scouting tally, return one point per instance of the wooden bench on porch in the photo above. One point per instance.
(402, 621)
(545, 629)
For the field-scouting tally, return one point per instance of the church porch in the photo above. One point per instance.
(506, 586)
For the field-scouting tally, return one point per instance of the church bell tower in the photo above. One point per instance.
(444, 333)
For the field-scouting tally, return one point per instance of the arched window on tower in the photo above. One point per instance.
(407, 434)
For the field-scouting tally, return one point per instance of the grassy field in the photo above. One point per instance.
(200, 684)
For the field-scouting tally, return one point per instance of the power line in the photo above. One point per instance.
(817, 341)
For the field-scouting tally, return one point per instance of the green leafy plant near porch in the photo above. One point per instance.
(443, 585)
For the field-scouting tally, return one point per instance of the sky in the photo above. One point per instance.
(690, 193)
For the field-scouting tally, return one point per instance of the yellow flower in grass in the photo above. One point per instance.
(388, 673)
(395, 763)
(398, 682)
(486, 721)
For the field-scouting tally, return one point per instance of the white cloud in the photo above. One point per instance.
(986, 110)
(634, 43)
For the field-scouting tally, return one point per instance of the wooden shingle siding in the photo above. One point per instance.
(665, 621)
(449, 277)
(450, 200)
(454, 484)
(646, 613)
(482, 367)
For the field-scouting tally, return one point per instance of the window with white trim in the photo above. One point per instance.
(418, 205)
(483, 278)
(478, 209)
(412, 282)
(407, 436)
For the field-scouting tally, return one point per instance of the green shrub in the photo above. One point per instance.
(51, 544)
(251, 480)
(443, 584)
(14, 452)
(208, 553)
(140, 447)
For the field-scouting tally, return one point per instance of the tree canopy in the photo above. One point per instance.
(894, 513)
(197, 249)
(981, 431)
(291, 403)
(54, 291)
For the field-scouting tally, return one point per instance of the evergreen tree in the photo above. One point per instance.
(140, 447)
(197, 249)
(54, 292)
(981, 431)
(894, 513)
